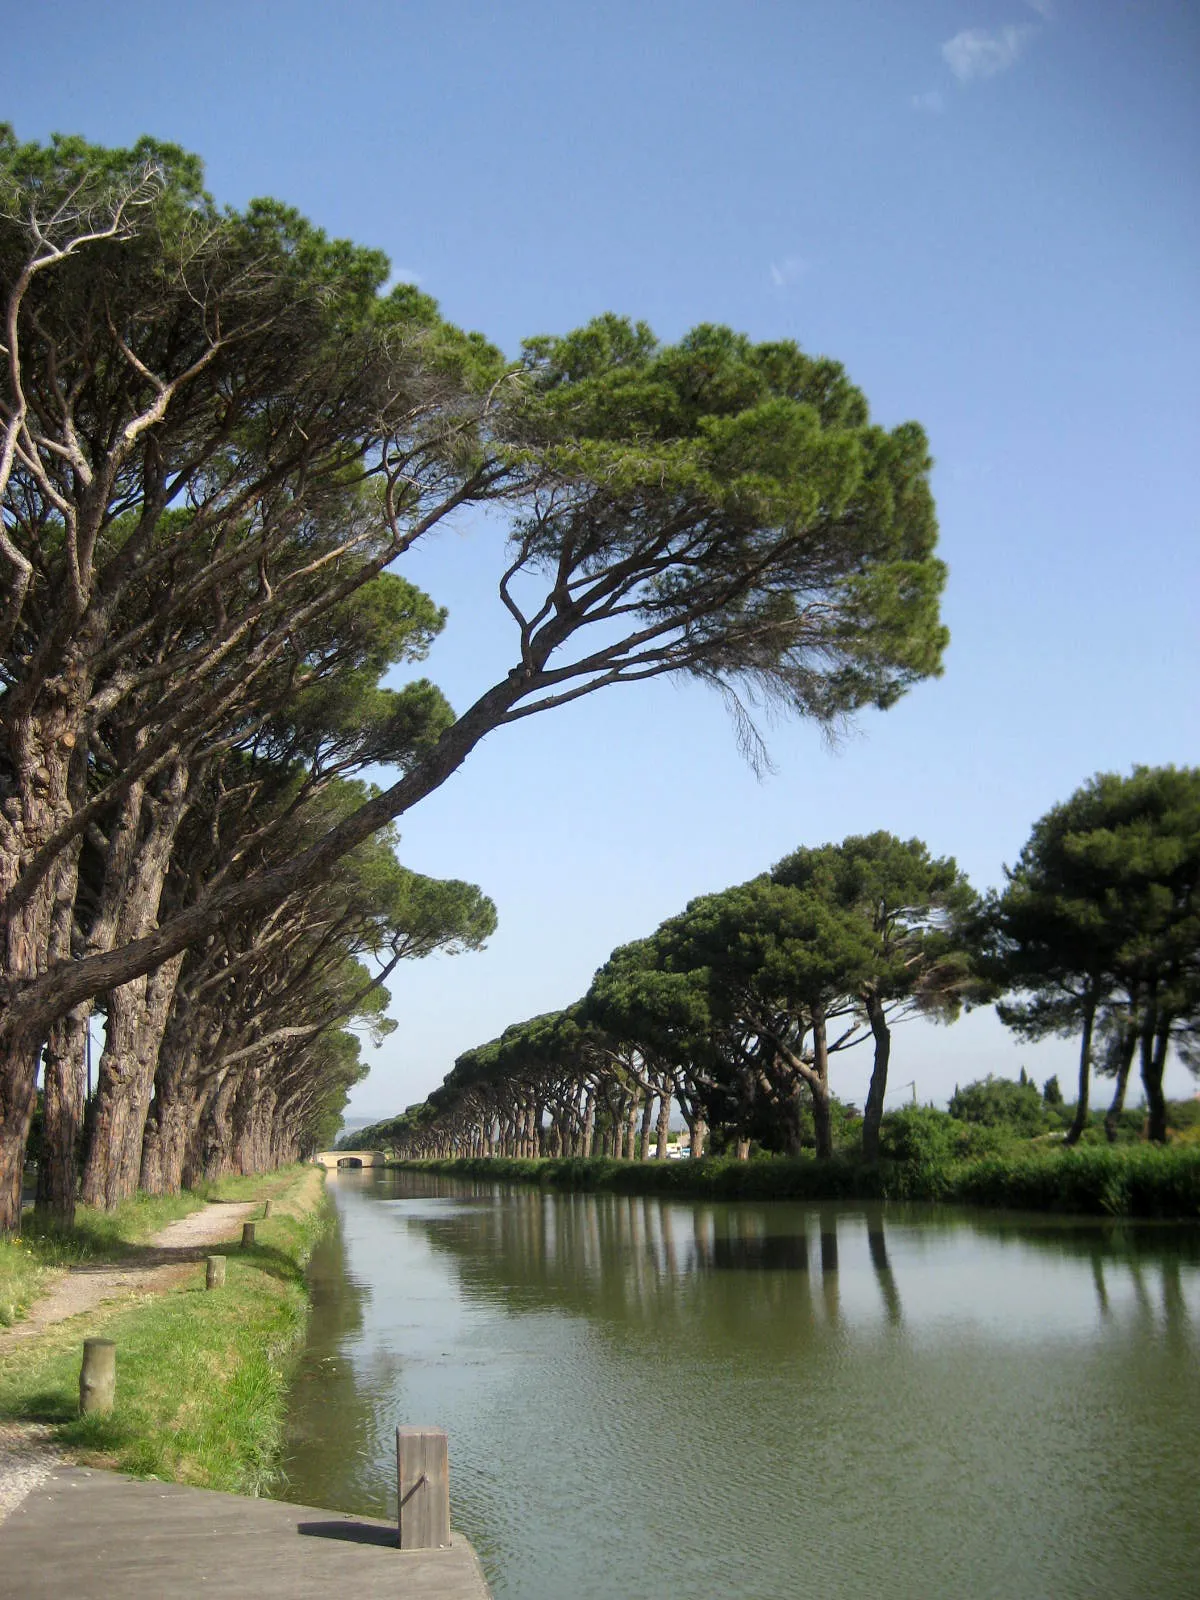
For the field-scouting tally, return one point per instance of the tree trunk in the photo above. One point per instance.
(790, 1110)
(46, 776)
(1154, 1060)
(216, 1133)
(137, 1020)
(873, 1110)
(822, 1116)
(1127, 1047)
(62, 1114)
(664, 1123)
(17, 1099)
(589, 1125)
(178, 1100)
(647, 1119)
(632, 1113)
(1080, 1121)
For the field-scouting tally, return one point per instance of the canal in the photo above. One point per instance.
(650, 1398)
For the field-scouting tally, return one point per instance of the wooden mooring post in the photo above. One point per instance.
(423, 1468)
(214, 1272)
(247, 1235)
(266, 1208)
(97, 1377)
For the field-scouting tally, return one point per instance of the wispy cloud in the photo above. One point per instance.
(976, 53)
(933, 101)
(788, 271)
(1044, 8)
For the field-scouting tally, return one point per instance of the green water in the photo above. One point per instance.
(649, 1398)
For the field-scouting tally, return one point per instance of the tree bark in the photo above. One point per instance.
(664, 1123)
(589, 1125)
(48, 766)
(17, 1100)
(643, 1151)
(1124, 1065)
(873, 1110)
(137, 1019)
(822, 1115)
(1080, 1120)
(1154, 1059)
(62, 1114)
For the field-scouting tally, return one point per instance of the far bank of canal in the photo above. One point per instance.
(654, 1397)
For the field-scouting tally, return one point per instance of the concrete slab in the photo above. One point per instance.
(92, 1535)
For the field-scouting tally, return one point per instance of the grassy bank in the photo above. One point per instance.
(201, 1376)
(28, 1262)
(1127, 1181)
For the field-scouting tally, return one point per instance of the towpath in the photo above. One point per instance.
(26, 1455)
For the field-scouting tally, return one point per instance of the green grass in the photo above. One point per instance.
(27, 1260)
(1120, 1180)
(201, 1376)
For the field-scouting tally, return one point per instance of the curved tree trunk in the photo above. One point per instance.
(1154, 1059)
(873, 1110)
(1112, 1116)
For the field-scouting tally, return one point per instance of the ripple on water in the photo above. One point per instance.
(780, 1401)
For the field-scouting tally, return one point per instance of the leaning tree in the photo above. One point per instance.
(715, 507)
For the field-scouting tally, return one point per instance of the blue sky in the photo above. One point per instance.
(988, 210)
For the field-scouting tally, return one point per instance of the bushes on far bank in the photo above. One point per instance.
(1108, 1180)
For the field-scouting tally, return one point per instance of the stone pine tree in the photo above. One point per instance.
(763, 979)
(1100, 920)
(912, 908)
(714, 507)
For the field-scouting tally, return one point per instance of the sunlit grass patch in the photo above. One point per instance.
(201, 1376)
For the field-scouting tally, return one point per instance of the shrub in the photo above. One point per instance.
(919, 1134)
(1001, 1103)
(1183, 1114)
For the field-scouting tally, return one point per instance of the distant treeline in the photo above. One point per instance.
(1122, 1181)
(738, 1009)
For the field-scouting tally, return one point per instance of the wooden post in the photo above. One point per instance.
(214, 1273)
(423, 1467)
(247, 1235)
(266, 1209)
(97, 1377)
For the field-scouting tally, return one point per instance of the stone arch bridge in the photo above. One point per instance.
(333, 1159)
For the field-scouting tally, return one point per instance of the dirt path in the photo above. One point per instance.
(158, 1265)
(26, 1454)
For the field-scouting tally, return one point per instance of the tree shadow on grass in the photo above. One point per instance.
(270, 1259)
(47, 1405)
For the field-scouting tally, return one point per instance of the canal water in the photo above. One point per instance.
(652, 1398)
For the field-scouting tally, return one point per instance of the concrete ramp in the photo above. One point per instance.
(100, 1536)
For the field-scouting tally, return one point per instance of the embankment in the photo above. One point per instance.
(1126, 1181)
(201, 1375)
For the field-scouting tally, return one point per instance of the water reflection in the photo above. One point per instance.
(625, 1257)
(766, 1400)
